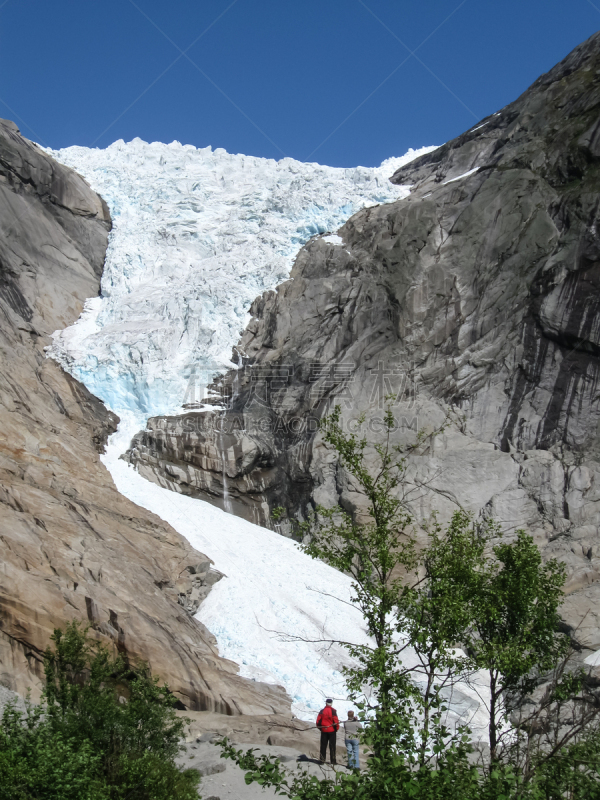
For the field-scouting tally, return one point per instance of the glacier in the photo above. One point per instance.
(197, 235)
(275, 609)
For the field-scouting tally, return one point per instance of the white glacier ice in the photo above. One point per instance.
(197, 235)
(275, 603)
(270, 589)
(333, 238)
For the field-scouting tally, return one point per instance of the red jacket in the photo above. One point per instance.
(328, 720)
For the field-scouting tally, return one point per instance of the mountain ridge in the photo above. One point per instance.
(466, 299)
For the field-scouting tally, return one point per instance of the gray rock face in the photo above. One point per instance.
(71, 547)
(10, 698)
(476, 299)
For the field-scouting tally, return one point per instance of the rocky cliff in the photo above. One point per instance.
(474, 300)
(71, 547)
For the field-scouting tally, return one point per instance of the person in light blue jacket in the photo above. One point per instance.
(351, 728)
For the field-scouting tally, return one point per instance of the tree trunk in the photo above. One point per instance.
(426, 712)
(493, 728)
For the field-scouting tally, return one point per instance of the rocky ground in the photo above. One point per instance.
(7, 697)
(280, 730)
(222, 779)
(294, 742)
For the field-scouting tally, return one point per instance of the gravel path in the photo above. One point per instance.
(224, 780)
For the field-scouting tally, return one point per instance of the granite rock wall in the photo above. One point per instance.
(475, 302)
(71, 547)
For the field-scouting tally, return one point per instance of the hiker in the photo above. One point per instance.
(328, 723)
(351, 728)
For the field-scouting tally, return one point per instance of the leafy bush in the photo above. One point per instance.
(101, 732)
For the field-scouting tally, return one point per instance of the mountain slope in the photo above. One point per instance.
(72, 547)
(196, 234)
(474, 300)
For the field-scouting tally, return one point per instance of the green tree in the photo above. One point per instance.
(515, 635)
(434, 612)
(459, 605)
(413, 602)
(102, 731)
(409, 606)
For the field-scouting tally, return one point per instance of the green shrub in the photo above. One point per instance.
(101, 732)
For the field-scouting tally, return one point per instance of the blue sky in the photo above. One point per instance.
(332, 81)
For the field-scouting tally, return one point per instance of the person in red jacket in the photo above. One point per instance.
(328, 723)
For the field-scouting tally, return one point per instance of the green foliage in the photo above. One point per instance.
(452, 777)
(436, 615)
(409, 600)
(102, 732)
(36, 761)
(515, 623)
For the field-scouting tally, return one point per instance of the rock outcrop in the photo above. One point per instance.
(475, 300)
(71, 547)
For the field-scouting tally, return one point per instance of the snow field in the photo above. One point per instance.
(275, 605)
